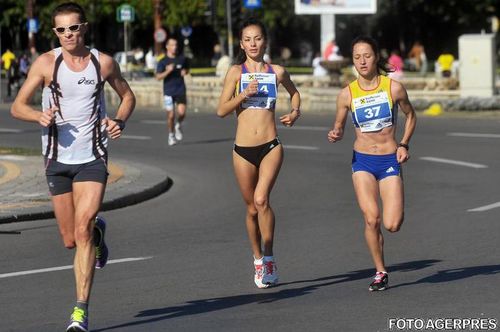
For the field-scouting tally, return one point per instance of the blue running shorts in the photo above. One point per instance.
(380, 166)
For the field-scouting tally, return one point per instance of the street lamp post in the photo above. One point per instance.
(157, 24)
(29, 15)
(229, 29)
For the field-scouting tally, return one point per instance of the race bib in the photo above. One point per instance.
(266, 95)
(373, 112)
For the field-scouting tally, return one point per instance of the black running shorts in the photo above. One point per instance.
(60, 177)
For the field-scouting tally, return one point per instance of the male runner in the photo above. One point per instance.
(171, 69)
(75, 130)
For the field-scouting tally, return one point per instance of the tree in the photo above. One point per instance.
(438, 24)
(181, 13)
(397, 24)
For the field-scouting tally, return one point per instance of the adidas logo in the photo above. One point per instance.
(272, 146)
(390, 170)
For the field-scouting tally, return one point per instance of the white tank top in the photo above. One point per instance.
(77, 135)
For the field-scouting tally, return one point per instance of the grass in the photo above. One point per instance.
(19, 151)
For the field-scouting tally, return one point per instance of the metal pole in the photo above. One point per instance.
(29, 14)
(125, 42)
(1, 99)
(157, 23)
(229, 30)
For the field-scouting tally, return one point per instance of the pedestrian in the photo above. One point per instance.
(250, 89)
(150, 61)
(9, 65)
(332, 51)
(217, 55)
(33, 54)
(24, 65)
(75, 130)
(417, 57)
(171, 69)
(318, 69)
(445, 64)
(396, 65)
(377, 159)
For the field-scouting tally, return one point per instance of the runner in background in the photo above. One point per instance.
(171, 69)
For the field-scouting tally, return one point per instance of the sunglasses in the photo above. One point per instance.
(71, 28)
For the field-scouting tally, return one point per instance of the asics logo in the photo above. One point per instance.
(85, 81)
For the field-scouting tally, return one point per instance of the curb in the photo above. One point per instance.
(137, 187)
(107, 205)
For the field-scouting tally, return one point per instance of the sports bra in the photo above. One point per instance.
(265, 98)
(373, 110)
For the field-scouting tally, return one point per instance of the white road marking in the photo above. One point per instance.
(138, 137)
(300, 147)
(316, 128)
(162, 122)
(485, 208)
(478, 135)
(454, 162)
(10, 130)
(68, 267)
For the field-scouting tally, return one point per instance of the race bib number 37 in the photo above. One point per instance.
(266, 95)
(373, 112)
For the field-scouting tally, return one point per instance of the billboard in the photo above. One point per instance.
(335, 6)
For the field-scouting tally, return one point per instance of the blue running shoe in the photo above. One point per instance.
(101, 249)
(78, 321)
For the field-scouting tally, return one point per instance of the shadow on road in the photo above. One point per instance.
(221, 303)
(455, 274)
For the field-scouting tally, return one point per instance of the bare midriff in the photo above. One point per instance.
(378, 143)
(255, 127)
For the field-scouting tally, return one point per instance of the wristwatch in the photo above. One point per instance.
(120, 123)
(402, 145)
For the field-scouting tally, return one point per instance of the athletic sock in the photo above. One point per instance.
(82, 305)
(258, 261)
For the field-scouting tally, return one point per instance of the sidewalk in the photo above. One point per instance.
(24, 192)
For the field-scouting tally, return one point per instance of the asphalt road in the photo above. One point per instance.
(182, 261)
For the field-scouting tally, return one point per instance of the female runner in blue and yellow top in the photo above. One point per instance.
(250, 89)
(374, 100)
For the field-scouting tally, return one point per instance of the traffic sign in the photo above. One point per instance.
(125, 13)
(32, 25)
(160, 35)
(252, 4)
(186, 31)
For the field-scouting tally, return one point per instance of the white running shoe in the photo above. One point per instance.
(178, 132)
(270, 277)
(171, 140)
(259, 273)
